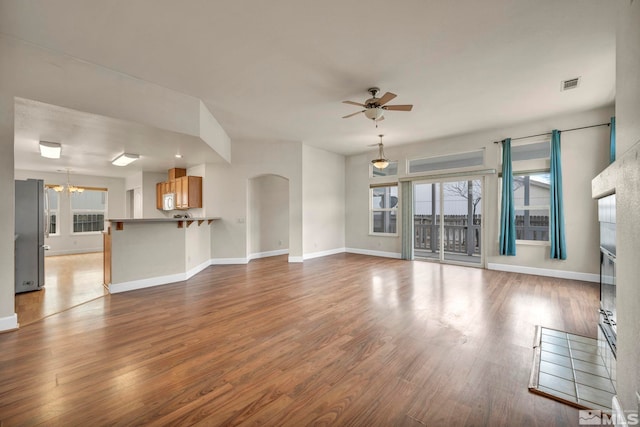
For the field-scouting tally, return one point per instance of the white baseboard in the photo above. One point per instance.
(268, 254)
(228, 261)
(323, 253)
(560, 274)
(115, 288)
(9, 323)
(374, 253)
(296, 258)
(197, 269)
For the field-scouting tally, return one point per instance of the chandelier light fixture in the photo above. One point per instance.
(381, 162)
(68, 188)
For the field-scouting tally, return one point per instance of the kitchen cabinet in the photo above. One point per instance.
(159, 194)
(188, 192)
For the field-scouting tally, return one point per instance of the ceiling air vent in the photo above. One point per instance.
(570, 84)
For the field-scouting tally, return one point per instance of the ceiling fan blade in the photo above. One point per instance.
(386, 98)
(353, 103)
(351, 115)
(398, 107)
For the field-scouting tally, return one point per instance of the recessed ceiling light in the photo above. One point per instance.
(50, 150)
(178, 156)
(124, 159)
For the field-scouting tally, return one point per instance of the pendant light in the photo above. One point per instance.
(381, 162)
(69, 188)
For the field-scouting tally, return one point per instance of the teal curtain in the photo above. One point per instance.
(507, 213)
(406, 204)
(556, 218)
(612, 140)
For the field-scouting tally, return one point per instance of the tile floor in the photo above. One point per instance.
(572, 369)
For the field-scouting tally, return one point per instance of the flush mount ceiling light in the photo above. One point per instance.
(50, 150)
(381, 162)
(124, 159)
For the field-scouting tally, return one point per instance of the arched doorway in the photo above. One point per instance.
(268, 216)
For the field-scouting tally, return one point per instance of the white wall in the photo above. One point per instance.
(226, 195)
(8, 318)
(268, 215)
(584, 155)
(323, 202)
(149, 181)
(67, 242)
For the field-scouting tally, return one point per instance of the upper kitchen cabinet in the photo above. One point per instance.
(188, 192)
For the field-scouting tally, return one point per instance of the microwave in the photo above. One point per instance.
(168, 201)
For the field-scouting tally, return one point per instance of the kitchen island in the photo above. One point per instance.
(141, 253)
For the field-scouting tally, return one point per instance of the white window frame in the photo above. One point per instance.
(55, 212)
(372, 210)
(74, 212)
(443, 159)
(529, 167)
(523, 207)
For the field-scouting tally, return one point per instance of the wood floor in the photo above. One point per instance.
(341, 340)
(69, 280)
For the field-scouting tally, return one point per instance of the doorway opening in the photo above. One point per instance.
(267, 216)
(447, 217)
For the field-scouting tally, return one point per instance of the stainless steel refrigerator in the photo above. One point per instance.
(29, 234)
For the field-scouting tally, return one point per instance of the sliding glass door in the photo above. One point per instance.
(448, 220)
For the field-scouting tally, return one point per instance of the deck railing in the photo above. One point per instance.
(466, 239)
(458, 237)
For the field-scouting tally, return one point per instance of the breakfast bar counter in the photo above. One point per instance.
(146, 252)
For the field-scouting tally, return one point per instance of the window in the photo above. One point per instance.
(384, 209)
(452, 161)
(391, 170)
(88, 209)
(53, 210)
(531, 199)
(531, 189)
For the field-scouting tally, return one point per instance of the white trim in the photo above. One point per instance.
(228, 261)
(296, 258)
(395, 255)
(132, 285)
(560, 274)
(9, 323)
(268, 254)
(312, 255)
(197, 269)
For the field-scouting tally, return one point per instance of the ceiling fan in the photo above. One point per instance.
(374, 107)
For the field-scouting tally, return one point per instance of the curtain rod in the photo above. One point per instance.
(549, 133)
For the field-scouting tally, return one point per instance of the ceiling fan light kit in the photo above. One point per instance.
(374, 107)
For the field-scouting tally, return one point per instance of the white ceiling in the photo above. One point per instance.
(278, 70)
